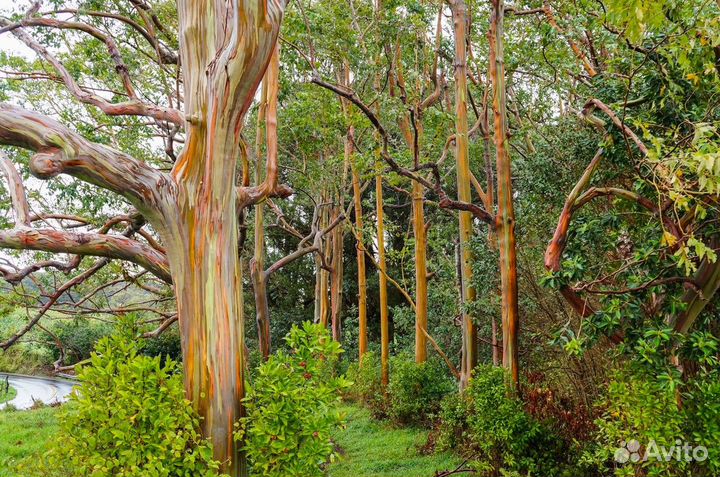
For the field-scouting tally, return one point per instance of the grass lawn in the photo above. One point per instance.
(24, 434)
(6, 396)
(370, 448)
(376, 449)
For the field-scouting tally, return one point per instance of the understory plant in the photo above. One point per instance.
(647, 422)
(493, 429)
(128, 417)
(367, 388)
(291, 407)
(417, 389)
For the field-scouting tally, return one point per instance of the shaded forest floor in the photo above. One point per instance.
(369, 448)
(376, 449)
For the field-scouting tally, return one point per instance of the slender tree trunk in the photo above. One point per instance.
(460, 20)
(421, 289)
(505, 224)
(323, 304)
(384, 319)
(267, 113)
(357, 203)
(411, 128)
(360, 248)
(336, 277)
(495, 345)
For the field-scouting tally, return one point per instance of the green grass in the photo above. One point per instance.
(24, 434)
(377, 449)
(6, 396)
(370, 448)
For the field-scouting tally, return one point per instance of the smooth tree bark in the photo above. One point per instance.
(224, 51)
(505, 222)
(462, 158)
(267, 115)
(360, 249)
(382, 269)
(336, 274)
(357, 192)
(411, 127)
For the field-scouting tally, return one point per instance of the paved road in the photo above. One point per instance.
(29, 388)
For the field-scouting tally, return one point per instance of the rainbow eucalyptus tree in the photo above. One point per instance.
(194, 202)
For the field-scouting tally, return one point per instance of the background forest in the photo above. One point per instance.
(502, 218)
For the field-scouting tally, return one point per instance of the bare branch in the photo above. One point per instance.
(99, 245)
(17, 192)
(60, 150)
(133, 107)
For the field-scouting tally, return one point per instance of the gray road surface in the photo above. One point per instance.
(29, 388)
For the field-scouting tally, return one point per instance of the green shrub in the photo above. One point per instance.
(496, 431)
(453, 419)
(79, 337)
(291, 407)
(167, 345)
(416, 389)
(643, 408)
(367, 388)
(128, 417)
(24, 358)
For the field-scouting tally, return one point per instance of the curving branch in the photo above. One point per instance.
(19, 275)
(445, 202)
(555, 248)
(166, 56)
(62, 151)
(87, 243)
(132, 107)
(53, 299)
(593, 104)
(20, 207)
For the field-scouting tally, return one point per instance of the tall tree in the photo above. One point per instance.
(462, 159)
(505, 222)
(224, 51)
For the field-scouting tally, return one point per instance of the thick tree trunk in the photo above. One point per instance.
(210, 313)
(505, 224)
(460, 19)
(225, 49)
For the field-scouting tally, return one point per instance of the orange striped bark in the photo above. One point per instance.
(505, 223)
(460, 17)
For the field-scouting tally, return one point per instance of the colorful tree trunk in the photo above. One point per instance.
(505, 223)
(460, 19)
(360, 248)
(384, 318)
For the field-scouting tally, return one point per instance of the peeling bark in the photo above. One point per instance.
(460, 22)
(505, 223)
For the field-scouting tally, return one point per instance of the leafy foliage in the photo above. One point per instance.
(416, 389)
(292, 407)
(639, 406)
(128, 417)
(495, 429)
(367, 385)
